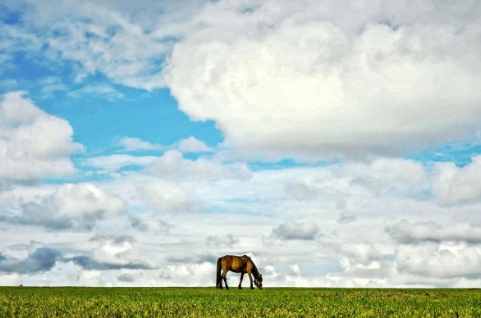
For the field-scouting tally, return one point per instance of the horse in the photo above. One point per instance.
(237, 264)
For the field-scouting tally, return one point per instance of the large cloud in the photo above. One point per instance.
(292, 230)
(41, 260)
(302, 83)
(113, 252)
(441, 261)
(455, 186)
(305, 79)
(166, 196)
(173, 165)
(33, 144)
(413, 233)
(76, 206)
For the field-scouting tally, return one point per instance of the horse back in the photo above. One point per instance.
(236, 264)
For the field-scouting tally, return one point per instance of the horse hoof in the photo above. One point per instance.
(240, 287)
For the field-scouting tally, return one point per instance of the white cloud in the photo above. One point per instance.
(412, 233)
(192, 144)
(110, 43)
(300, 79)
(132, 144)
(227, 240)
(102, 90)
(384, 175)
(118, 250)
(115, 162)
(339, 182)
(10, 279)
(292, 230)
(166, 196)
(173, 165)
(33, 144)
(77, 206)
(14, 38)
(346, 218)
(441, 261)
(92, 278)
(359, 253)
(307, 82)
(455, 186)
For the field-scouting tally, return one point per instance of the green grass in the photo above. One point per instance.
(202, 302)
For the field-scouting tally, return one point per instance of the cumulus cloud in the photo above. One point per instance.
(292, 230)
(132, 144)
(359, 253)
(384, 175)
(115, 162)
(33, 144)
(302, 79)
(138, 224)
(454, 185)
(113, 238)
(126, 277)
(41, 260)
(340, 182)
(163, 195)
(346, 218)
(88, 263)
(12, 279)
(413, 233)
(187, 274)
(306, 81)
(173, 165)
(76, 206)
(191, 258)
(91, 278)
(227, 240)
(192, 144)
(113, 252)
(165, 226)
(440, 261)
(309, 83)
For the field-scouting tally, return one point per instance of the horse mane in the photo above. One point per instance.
(255, 271)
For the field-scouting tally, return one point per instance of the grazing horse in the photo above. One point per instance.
(237, 264)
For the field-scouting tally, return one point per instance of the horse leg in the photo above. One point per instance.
(240, 283)
(225, 279)
(250, 277)
(220, 282)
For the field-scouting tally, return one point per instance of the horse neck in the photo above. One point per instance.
(255, 271)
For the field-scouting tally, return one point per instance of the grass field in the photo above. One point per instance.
(201, 302)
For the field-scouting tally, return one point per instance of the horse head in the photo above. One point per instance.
(258, 281)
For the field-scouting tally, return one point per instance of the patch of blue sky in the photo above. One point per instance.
(287, 163)
(460, 153)
(388, 257)
(29, 73)
(152, 117)
(99, 117)
(9, 16)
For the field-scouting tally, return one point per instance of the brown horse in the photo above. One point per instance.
(237, 264)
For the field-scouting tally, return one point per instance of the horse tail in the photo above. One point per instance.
(219, 265)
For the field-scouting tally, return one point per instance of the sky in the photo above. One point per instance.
(335, 143)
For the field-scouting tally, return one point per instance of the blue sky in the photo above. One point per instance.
(333, 148)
